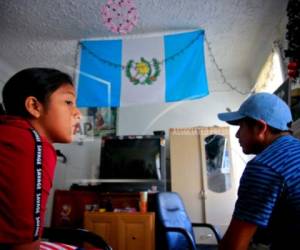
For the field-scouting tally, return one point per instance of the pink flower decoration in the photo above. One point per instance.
(124, 28)
(105, 13)
(119, 16)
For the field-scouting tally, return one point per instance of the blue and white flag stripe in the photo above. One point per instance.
(103, 78)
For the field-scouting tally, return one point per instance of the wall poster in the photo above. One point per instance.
(96, 122)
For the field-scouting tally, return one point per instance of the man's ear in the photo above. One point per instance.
(262, 127)
(33, 106)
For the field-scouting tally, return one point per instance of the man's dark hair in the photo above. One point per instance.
(37, 82)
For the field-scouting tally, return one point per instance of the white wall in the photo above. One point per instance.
(6, 71)
(82, 160)
(203, 112)
(143, 120)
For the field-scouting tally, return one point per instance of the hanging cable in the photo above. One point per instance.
(210, 53)
(163, 61)
(220, 70)
(76, 57)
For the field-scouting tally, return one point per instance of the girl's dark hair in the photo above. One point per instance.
(37, 82)
(2, 112)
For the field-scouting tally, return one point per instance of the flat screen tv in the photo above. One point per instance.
(132, 159)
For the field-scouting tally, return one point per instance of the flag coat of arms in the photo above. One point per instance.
(136, 71)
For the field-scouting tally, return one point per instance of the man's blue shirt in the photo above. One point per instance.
(269, 192)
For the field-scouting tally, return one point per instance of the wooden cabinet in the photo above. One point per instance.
(123, 231)
(69, 205)
(203, 185)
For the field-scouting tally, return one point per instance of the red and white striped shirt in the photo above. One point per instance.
(44, 245)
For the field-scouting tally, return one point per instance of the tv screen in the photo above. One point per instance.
(128, 158)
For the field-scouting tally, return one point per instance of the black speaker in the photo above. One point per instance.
(159, 132)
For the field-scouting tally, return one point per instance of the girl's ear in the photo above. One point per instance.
(33, 106)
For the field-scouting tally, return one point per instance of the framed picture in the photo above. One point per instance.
(96, 122)
(105, 120)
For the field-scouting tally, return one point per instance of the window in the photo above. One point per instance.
(271, 75)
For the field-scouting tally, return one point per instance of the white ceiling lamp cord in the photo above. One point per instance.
(220, 70)
(76, 63)
(123, 67)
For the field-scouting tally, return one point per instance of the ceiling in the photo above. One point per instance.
(45, 32)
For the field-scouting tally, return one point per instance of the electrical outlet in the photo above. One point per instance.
(205, 237)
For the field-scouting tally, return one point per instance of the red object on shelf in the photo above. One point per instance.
(69, 207)
(293, 73)
(293, 69)
(293, 65)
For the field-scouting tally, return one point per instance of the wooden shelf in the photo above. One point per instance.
(69, 206)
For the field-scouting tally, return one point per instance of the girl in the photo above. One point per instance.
(40, 110)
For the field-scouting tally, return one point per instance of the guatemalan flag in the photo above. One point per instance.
(144, 70)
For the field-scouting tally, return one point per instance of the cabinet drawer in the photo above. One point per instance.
(123, 231)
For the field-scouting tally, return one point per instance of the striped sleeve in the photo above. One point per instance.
(44, 245)
(260, 186)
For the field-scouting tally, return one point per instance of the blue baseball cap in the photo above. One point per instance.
(262, 106)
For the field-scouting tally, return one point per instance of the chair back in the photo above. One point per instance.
(171, 213)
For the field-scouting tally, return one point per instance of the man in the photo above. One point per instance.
(269, 191)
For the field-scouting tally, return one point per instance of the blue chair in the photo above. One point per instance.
(174, 228)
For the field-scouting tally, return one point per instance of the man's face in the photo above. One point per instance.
(248, 135)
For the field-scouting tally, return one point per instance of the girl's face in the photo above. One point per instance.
(58, 118)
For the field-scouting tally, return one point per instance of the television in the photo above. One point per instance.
(135, 160)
